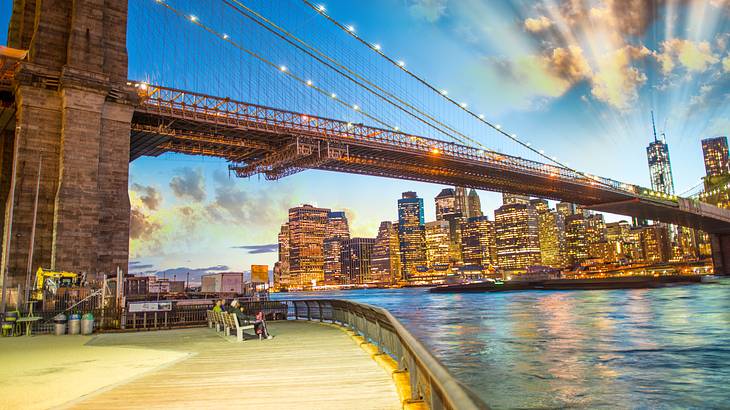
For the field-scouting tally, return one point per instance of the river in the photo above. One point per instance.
(645, 348)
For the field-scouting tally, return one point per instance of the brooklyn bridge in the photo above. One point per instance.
(72, 120)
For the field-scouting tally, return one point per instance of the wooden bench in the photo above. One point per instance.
(231, 322)
(215, 319)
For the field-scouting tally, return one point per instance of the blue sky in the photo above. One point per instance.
(575, 78)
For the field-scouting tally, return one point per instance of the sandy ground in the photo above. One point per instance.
(41, 372)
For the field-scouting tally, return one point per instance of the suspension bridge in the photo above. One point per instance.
(272, 90)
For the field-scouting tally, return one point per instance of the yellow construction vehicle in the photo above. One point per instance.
(47, 280)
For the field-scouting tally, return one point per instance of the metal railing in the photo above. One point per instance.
(430, 380)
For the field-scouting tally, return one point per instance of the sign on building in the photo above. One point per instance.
(259, 273)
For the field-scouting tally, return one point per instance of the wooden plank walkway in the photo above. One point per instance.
(306, 366)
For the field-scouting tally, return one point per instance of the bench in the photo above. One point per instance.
(225, 322)
(231, 322)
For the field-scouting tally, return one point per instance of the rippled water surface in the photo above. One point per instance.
(653, 348)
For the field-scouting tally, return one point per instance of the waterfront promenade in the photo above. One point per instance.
(307, 365)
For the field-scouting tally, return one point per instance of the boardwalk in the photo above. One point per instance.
(307, 365)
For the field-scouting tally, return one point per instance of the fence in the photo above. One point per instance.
(429, 379)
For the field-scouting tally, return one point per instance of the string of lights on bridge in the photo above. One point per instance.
(349, 29)
(377, 48)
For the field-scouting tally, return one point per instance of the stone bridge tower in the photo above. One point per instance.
(72, 114)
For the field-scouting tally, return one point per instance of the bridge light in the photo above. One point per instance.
(193, 18)
(321, 8)
(333, 95)
(435, 150)
(463, 105)
(309, 83)
(444, 92)
(283, 68)
(349, 125)
(355, 107)
(351, 28)
(481, 116)
(225, 36)
(143, 86)
(542, 152)
(401, 63)
(376, 46)
(305, 118)
(396, 128)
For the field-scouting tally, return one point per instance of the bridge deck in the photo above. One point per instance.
(305, 366)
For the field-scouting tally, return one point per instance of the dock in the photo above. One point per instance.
(306, 366)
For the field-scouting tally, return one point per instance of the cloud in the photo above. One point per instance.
(257, 249)
(616, 81)
(149, 196)
(536, 25)
(235, 206)
(189, 184)
(429, 10)
(568, 63)
(693, 56)
(141, 226)
(726, 64)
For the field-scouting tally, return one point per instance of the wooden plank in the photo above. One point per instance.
(306, 365)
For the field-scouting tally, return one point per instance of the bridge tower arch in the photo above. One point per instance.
(73, 112)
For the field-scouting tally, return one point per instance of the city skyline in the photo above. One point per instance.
(188, 213)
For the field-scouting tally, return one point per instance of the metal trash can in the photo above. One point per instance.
(59, 324)
(87, 324)
(74, 324)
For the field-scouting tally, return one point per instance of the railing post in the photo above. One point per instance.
(309, 314)
(321, 315)
(380, 337)
(296, 310)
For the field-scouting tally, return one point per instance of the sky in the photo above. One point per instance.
(578, 79)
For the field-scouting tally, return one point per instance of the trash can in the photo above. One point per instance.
(74, 325)
(59, 324)
(87, 324)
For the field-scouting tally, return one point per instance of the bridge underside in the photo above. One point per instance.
(278, 150)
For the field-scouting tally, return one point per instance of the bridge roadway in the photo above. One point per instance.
(306, 366)
(278, 143)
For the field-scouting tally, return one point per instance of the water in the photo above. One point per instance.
(647, 348)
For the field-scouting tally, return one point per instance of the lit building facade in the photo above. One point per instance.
(281, 275)
(517, 236)
(576, 243)
(307, 229)
(654, 243)
(717, 166)
(385, 264)
(411, 235)
(715, 153)
(552, 234)
(438, 245)
(356, 260)
(478, 243)
(337, 230)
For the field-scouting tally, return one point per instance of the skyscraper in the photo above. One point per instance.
(509, 199)
(461, 201)
(552, 234)
(715, 153)
(337, 231)
(576, 243)
(411, 234)
(281, 275)
(438, 245)
(356, 259)
(445, 203)
(565, 209)
(517, 233)
(717, 165)
(654, 243)
(307, 228)
(385, 264)
(477, 243)
(474, 204)
(660, 168)
(451, 207)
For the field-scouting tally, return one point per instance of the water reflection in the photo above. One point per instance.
(595, 349)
